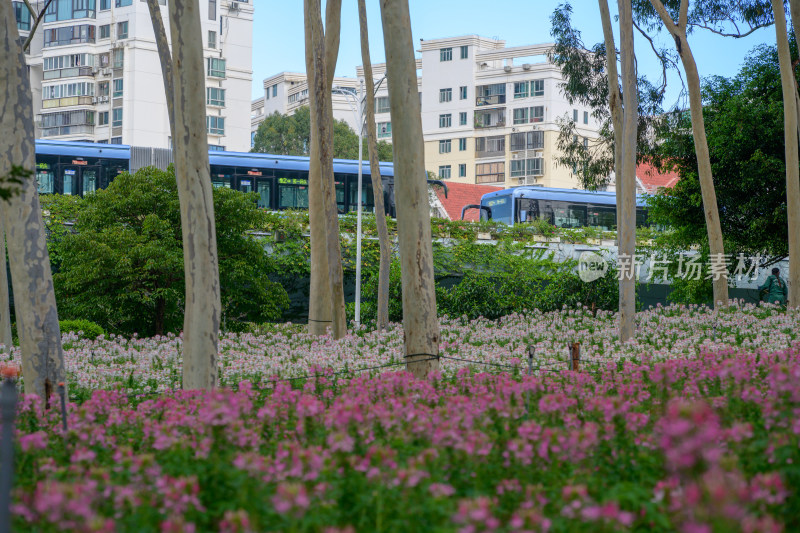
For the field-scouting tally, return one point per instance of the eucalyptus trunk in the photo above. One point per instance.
(626, 225)
(710, 210)
(5, 309)
(375, 174)
(321, 108)
(788, 85)
(35, 301)
(190, 151)
(326, 298)
(420, 322)
(794, 11)
(164, 55)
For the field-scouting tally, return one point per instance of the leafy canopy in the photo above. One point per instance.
(290, 135)
(122, 266)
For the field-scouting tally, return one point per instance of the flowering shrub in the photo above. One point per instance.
(675, 432)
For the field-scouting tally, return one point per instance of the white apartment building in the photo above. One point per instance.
(489, 112)
(96, 75)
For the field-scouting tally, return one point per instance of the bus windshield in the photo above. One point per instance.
(501, 208)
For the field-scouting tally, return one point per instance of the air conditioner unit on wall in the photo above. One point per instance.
(507, 68)
(233, 6)
(526, 66)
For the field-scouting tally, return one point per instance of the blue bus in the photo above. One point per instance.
(563, 208)
(80, 168)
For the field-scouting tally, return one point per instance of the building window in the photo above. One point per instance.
(22, 16)
(252, 139)
(102, 88)
(490, 146)
(524, 115)
(575, 116)
(445, 95)
(445, 54)
(490, 172)
(212, 39)
(537, 114)
(464, 52)
(382, 104)
(444, 172)
(105, 31)
(122, 30)
(212, 9)
(67, 90)
(117, 88)
(444, 147)
(384, 130)
(102, 118)
(463, 92)
(521, 89)
(494, 94)
(462, 170)
(585, 143)
(215, 96)
(462, 145)
(585, 117)
(216, 68)
(105, 5)
(527, 167)
(445, 121)
(116, 140)
(216, 148)
(275, 90)
(215, 125)
(530, 140)
(462, 118)
(67, 35)
(537, 88)
(521, 115)
(122, 3)
(119, 58)
(116, 117)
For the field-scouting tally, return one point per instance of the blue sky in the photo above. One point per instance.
(278, 43)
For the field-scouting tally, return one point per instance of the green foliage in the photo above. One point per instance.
(86, 328)
(11, 182)
(744, 125)
(123, 265)
(291, 135)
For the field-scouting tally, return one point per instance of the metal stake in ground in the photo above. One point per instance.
(574, 356)
(8, 407)
(63, 393)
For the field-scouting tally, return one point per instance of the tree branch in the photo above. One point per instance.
(737, 35)
(683, 16)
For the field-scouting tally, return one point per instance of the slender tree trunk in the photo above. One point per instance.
(375, 174)
(420, 322)
(190, 150)
(5, 308)
(162, 44)
(626, 226)
(161, 313)
(326, 308)
(792, 164)
(34, 298)
(715, 242)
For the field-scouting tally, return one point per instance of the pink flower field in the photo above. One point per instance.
(694, 427)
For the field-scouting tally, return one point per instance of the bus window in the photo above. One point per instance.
(527, 210)
(45, 179)
(264, 190)
(501, 208)
(602, 217)
(367, 200)
(641, 218)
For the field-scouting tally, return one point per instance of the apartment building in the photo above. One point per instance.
(96, 75)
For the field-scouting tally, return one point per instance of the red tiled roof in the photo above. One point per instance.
(653, 180)
(461, 194)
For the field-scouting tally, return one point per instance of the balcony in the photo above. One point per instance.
(68, 130)
(490, 146)
(68, 73)
(495, 99)
(495, 118)
(66, 102)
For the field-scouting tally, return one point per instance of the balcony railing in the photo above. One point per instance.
(66, 102)
(68, 73)
(68, 130)
(495, 99)
(479, 124)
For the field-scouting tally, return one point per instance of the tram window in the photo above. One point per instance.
(45, 181)
(641, 218)
(292, 193)
(339, 179)
(367, 199)
(246, 185)
(264, 190)
(89, 181)
(70, 176)
(602, 217)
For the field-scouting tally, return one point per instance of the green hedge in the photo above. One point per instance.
(85, 328)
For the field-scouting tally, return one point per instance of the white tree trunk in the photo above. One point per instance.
(34, 298)
(711, 211)
(788, 84)
(326, 297)
(626, 225)
(5, 308)
(375, 173)
(190, 151)
(164, 55)
(420, 322)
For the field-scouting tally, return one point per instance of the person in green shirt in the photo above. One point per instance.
(774, 290)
